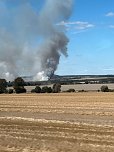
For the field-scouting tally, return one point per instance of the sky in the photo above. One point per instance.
(91, 33)
(90, 30)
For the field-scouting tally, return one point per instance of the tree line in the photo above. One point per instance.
(18, 86)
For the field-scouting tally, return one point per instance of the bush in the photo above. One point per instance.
(6, 91)
(20, 90)
(10, 91)
(70, 90)
(37, 89)
(44, 89)
(111, 90)
(49, 90)
(33, 91)
(82, 90)
(104, 88)
(1, 91)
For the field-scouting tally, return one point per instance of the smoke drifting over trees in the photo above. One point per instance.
(31, 42)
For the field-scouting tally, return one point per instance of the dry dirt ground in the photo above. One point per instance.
(79, 122)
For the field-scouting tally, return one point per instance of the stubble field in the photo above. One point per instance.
(78, 122)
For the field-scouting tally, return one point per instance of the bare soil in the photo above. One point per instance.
(65, 122)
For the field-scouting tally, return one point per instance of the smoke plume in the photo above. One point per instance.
(31, 41)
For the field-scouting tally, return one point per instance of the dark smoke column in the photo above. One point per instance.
(54, 40)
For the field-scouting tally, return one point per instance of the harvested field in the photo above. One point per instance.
(77, 87)
(86, 87)
(79, 122)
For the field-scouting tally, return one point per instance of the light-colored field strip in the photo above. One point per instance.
(77, 87)
(80, 122)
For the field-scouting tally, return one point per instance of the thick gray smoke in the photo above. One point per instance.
(31, 41)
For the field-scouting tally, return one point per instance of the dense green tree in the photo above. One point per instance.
(56, 88)
(104, 88)
(19, 85)
(19, 82)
